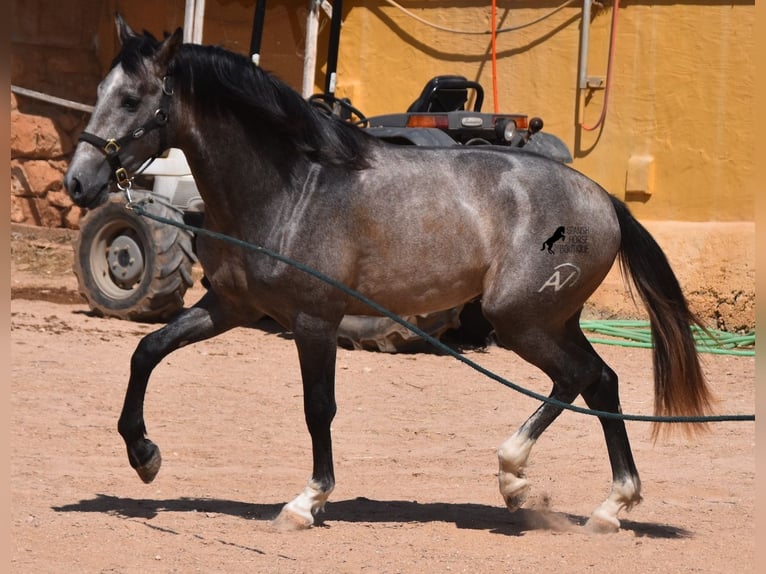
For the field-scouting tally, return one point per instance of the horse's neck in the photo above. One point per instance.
(235, 174)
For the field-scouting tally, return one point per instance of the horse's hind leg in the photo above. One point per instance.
(202, 321)
(570, 368)
(316, 341)
(573, 365)
(626, 484)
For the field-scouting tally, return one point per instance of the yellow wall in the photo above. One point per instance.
(682, 89)
(678, 127)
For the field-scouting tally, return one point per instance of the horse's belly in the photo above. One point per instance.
(418, 289)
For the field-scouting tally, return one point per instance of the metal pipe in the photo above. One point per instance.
(310, 55)
(51, 99)
(609, 72)
(189, 21)
(199, 21)
(332, 52)
(255, 40)
(582, 76)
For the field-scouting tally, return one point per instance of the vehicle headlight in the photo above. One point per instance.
(505, 129)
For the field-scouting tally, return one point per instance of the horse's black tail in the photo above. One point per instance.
(679, 385)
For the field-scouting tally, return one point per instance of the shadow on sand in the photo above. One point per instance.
(364, 510)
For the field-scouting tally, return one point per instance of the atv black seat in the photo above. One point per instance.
(447, 94)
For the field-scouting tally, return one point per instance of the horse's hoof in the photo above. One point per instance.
(517, 500)
(599, 524)
(144, 456)
(289, 520)
(149, 470)
(514, 491)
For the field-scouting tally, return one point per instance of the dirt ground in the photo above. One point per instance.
(414, 442)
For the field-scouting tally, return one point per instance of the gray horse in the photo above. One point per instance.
(417, 230)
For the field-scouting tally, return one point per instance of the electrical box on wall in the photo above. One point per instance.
(639, 180)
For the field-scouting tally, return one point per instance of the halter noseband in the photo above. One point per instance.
(111, 147)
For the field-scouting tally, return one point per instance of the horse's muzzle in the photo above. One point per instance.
(82, 195)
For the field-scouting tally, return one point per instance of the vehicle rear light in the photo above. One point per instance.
(522, 122)
(428, 121)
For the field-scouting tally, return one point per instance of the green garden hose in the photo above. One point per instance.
(638, 334)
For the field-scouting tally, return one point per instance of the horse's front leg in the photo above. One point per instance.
(202, 321)
(316, 340)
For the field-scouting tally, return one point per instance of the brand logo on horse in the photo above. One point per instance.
(564, 274)
(557, 235)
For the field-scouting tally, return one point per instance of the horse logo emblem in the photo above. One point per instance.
(564, 274)
(557, 235)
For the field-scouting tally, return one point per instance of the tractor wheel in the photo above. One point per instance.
(363, 332)
(132, 267)
(462, 327)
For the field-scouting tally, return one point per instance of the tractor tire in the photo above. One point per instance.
(131, 267)
(463, 327)
(364, 332)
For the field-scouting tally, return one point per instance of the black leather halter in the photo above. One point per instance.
(111, 147)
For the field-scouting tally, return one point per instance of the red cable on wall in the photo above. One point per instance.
(607, 89)
(493, 17)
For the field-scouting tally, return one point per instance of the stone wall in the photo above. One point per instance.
(715, 265)
(41, 145)
(54, 50)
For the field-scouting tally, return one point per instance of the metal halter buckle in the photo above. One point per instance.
(161, 116)
(111, 147)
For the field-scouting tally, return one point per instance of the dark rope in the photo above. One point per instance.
(139, 209)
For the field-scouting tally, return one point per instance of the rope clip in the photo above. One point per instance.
(125, 184)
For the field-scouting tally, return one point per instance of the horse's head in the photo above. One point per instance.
(128, 124)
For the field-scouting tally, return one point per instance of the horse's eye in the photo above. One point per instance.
(130, 103)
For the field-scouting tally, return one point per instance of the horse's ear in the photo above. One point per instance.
(169, 47)
(123, 30)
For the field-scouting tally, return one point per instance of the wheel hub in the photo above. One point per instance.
(126, 262)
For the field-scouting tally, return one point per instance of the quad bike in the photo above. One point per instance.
(131, 267)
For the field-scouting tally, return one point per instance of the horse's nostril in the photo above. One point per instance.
(74, 187)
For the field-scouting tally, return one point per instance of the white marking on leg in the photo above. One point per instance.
(512, 456)
(624, 494)
(299, 512)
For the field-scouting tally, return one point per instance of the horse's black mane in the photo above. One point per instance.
(222, 82)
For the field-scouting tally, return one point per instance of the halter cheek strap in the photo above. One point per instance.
(111, 147)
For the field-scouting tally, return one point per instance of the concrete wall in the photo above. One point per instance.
(681, 93)
(52, 52)
(676, 144)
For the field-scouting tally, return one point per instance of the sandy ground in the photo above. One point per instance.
(414, 441)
